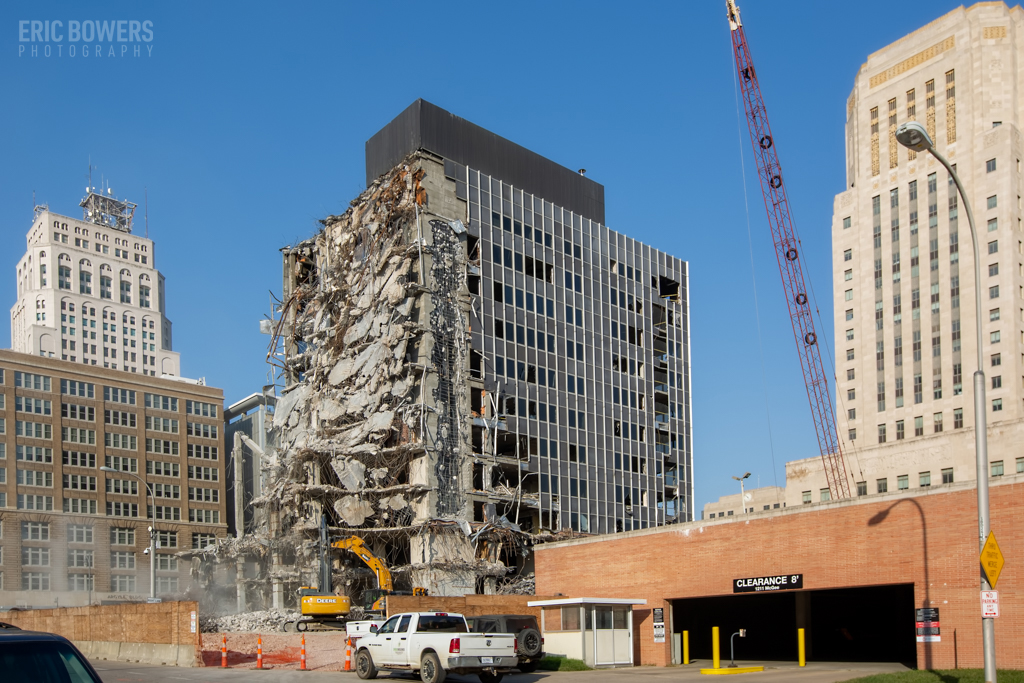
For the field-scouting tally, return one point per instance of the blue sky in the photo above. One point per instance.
(246, 123)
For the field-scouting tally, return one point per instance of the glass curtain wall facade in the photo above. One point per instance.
(580, 339)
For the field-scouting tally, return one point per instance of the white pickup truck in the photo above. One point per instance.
(435, 644)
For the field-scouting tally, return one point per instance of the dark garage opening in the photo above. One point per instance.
(874, 624)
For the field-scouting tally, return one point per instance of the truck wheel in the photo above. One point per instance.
(364, 665)
(488, 677)
(527, 667)
(529, 642)
(431, 670)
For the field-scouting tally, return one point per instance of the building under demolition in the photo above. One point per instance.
(472, 363)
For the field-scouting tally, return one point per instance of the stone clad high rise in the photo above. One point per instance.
(89, 291)
(903, 273)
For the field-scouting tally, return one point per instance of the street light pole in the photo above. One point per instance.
(914, 136)
(743, 494)
(152, 531)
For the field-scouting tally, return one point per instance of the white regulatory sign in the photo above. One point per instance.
(989, 604)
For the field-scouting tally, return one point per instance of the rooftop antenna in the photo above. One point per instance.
(146, 190)
(90, 173)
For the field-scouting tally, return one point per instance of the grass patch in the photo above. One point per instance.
(567, 664)
(957, 676)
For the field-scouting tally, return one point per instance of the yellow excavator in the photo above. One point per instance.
(321, 608)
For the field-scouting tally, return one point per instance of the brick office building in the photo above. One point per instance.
(71, 534)
(864, 567)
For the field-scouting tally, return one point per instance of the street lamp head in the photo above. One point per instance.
(743, 477)
(913, 135)
(108, 469)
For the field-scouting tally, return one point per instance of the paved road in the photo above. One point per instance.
(775, 672)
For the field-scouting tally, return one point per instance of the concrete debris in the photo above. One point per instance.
(352, 510)
(265, 621)
(525, 584)
(351, 472)
(374, 427)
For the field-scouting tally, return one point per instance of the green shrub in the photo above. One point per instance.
(956, 676)
(562, 664)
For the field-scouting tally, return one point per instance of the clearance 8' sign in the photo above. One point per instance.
(782, 582)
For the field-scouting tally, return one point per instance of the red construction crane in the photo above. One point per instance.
(787, 252)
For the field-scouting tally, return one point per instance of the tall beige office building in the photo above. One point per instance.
(89, 291)
(903, 270)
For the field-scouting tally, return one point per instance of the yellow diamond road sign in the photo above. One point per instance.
(992, 559)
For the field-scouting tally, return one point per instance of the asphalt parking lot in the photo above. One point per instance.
(775, 672)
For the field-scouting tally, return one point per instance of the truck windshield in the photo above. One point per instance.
(436, 624)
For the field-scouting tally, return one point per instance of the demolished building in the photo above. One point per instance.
(470, 363)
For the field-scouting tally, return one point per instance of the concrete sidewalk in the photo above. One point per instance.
(775, 672)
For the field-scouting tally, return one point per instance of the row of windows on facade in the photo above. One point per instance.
(73, 411)
(68, 344)
(935, 292)
(624, 495)
(106, 288)
(575, 251)
(937, 425)
(851, 394)
(507, 215)
(924, 479)
(38, 454)
(61, 235)
(127, 487)
(90, 506)
(126, 442)
(556, 519)
(665, 287)
(520, 221)
(68, 319)
(81, 558)
(119, 583)
(729, 513)
(911, 115)
(37, 382)
(84, 533)
(577, 453)
(536, 268)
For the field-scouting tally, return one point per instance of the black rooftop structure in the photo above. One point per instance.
(428, 127)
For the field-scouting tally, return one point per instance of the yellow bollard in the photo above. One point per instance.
(801, 646)
(714, 648)
(686, 647)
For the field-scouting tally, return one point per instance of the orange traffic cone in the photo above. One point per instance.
(348, 655)
(224, 652)
(302, 654)
(259, 652)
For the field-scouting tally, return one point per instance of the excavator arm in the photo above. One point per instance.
(357, 546)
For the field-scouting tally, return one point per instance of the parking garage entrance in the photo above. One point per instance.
(871, 624)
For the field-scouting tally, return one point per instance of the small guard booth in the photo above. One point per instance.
(598, 631)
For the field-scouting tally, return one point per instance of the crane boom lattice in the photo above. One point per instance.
(787, 253)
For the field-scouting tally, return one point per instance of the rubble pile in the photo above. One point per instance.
(525, 584)
(265, 620)
(372, 427)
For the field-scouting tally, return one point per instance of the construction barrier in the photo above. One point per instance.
(224, 652)
(259, 652)
(302, 654)
(348, 655)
